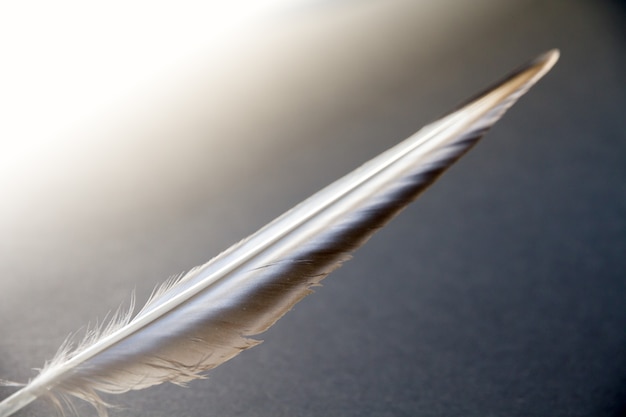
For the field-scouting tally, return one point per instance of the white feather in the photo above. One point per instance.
(195, 322)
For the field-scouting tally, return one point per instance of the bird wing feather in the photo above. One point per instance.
(199, 320)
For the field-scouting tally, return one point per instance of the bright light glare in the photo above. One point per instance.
(64, 61)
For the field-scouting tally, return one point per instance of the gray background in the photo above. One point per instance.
(500, 292)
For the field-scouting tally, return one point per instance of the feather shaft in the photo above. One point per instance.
(207, 316)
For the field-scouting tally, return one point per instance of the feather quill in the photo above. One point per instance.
(197, 321)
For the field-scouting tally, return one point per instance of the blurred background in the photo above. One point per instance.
(139, 139)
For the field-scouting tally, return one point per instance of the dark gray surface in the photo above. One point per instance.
(500, 292)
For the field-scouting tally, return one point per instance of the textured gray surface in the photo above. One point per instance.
(499, 292)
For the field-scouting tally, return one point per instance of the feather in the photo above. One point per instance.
(197, 321)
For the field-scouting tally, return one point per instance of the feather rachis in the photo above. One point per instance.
(201, 319)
